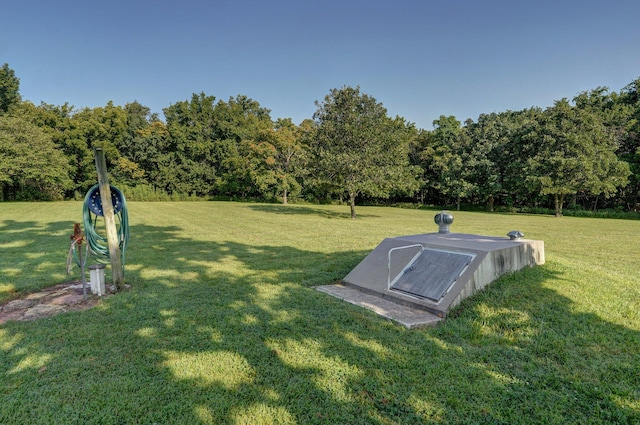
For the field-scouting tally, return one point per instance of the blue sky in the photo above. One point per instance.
(420, 58)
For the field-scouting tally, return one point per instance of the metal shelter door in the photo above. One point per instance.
(432, 274)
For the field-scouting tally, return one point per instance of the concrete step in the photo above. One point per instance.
(407, 316)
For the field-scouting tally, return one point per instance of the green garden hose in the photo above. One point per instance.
(92, 208)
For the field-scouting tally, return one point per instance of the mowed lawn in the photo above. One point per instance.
(222, 324)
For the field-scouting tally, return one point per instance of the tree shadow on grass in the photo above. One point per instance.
(548, 362)
(23, 241)
(305, 210)
(224, 332)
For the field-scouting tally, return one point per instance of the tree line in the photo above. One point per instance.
(583, 153)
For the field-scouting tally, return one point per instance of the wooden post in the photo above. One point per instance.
(117, 271)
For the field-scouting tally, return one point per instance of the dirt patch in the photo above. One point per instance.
(48, 302)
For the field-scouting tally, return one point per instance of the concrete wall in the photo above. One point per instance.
(497, 263)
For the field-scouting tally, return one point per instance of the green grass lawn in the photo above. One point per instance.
(222, 324)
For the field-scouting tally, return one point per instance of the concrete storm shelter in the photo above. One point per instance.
(415, 280)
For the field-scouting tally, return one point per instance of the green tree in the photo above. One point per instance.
(486, 137)
(57, 122)
(359, 150)
(575, 152)
(138, 119)
(277, 159)
(189, 165)
(31, 167)
(620, 112)
(238, 125)
(617, 115)
(446, 157)
(88, 128)
(149, 148)
(629, 149)
(9, 88)
(499, 147)
(417, 156)
(209, 148)
(139, 147)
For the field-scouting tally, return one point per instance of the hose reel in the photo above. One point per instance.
(92, 209)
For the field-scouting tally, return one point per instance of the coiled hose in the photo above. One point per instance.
(98, 244)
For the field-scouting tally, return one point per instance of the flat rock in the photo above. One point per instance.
(67, 299)
(42, 310)
(19, 305)
(48, 302)
(37, 296)
(13, 315)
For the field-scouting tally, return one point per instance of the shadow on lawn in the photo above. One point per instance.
(304, 210)
(224, 332)
(23, 241)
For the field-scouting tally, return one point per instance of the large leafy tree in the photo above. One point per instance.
(277, 160)
(630, 144)
(446, 159)
(501, 145)
(489, 137)
(575, 152)
(620, 113)
(359, 150)
(67, 135)
(103, 127)
(149, 150)
(31, 167)
(138, 119)
(139, 147)
(238, 125)
(616, 113)
(9, 88)
(190, 166)
(210, 144)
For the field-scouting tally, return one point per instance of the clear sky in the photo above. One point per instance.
(420, 58)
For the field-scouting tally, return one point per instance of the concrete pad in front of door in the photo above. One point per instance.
(410, 317)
